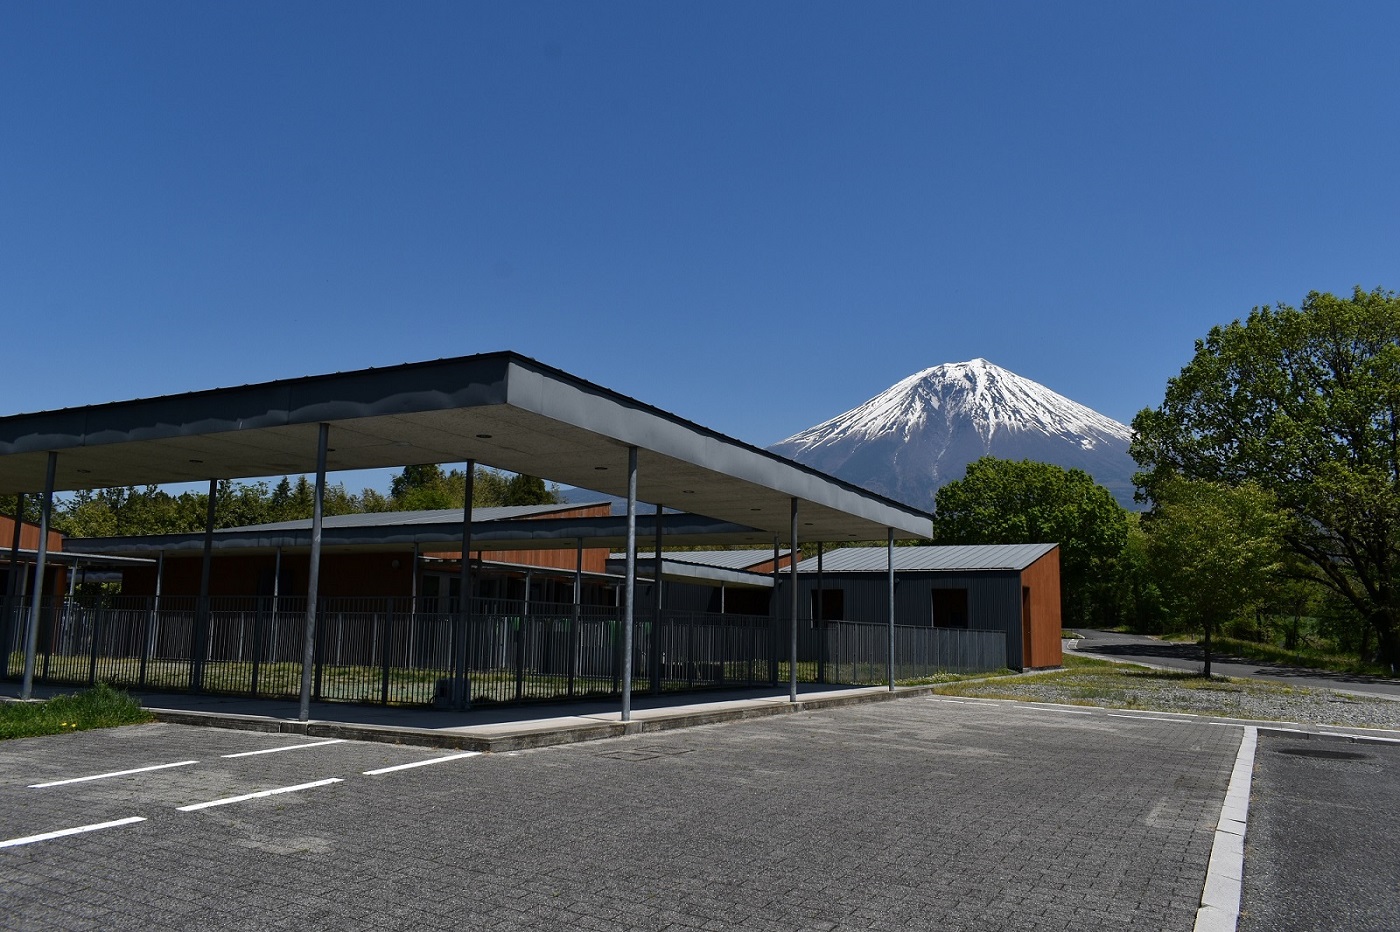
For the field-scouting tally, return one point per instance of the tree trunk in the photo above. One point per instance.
(1205, 671)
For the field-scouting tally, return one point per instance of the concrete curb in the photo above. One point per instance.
(1220, 900)
(527, 738)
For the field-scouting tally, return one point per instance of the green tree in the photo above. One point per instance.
(1305, 402)
(429, 487)
(1218, 548)
(1024, 502)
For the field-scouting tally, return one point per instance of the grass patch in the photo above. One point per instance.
(99, 707)
(1318, 660)
(937, 678)
(1091, 682)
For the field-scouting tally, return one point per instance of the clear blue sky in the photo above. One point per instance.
(755, 215)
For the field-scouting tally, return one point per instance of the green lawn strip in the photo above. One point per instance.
(1317, 660)
(99, 707)
(1089, 682)
(937, 678)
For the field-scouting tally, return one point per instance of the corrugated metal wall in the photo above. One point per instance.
(993, 600)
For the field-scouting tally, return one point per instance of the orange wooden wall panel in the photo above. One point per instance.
(1043, 579)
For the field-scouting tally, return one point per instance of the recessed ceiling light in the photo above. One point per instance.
(601, 468)
(755, 509)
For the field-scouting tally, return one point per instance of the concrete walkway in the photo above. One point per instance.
(495, 728)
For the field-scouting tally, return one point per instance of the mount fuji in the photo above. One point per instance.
(923, 432)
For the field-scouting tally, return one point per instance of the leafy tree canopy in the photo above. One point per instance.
(1219, 548)
(1024, 502)
(1304, 402)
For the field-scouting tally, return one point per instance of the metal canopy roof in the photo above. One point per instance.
(947, 559)
(444, 536)
(501, 409)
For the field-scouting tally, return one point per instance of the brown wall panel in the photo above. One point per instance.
(28, 536)
(1043, 579)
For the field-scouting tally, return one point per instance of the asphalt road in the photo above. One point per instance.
(919, 814)
(1190, 657)
(1322, 850)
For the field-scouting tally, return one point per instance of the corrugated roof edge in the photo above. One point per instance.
(930, 558)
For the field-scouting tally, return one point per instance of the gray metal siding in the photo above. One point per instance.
(993, 600)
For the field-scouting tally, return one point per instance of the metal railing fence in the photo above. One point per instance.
(858, 652)
(394, 651)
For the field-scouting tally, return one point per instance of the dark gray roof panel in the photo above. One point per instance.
(726, 559)
(960, 558)
(411, 518)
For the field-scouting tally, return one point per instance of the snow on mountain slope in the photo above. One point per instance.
(922, 432)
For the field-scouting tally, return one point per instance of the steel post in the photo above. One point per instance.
(889, 564)
(773, 616)
(308, 655)
(578, 609)
(199, 639)
(461, 680)
(819, 619)
(792, 596)
(629, 602)
(656, 659)
(31, 640)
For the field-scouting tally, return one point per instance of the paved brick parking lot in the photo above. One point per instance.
(918, 814)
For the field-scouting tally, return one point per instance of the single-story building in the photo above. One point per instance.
(1011, 588)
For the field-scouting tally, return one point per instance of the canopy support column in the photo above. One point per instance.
(578, 609)
(773, 618)
(461, 683)
(656, 665)
(630, 595)
(792, 573)
(199, 642)
(31, 640)
(819, 619)
(889, 566)
(308, 654)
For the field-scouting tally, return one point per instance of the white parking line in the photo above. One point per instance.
(1045, 708)
(289, 747)
(422, 763)
(258, 795)
(115, 773)
(1154, 718)
(30, 839)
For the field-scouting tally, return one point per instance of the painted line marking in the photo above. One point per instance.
(1042, 708)
(1343, 734)
(1155, 718)
(258, 795)
(115, 773)
(422, 763)
(289, 747)
(940, 699)
(30, 839)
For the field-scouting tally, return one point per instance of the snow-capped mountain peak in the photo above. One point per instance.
(924, 430)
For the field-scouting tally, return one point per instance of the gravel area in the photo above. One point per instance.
(1128, 687)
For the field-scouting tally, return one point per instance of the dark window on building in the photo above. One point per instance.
(950, 608)
(828, 605)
